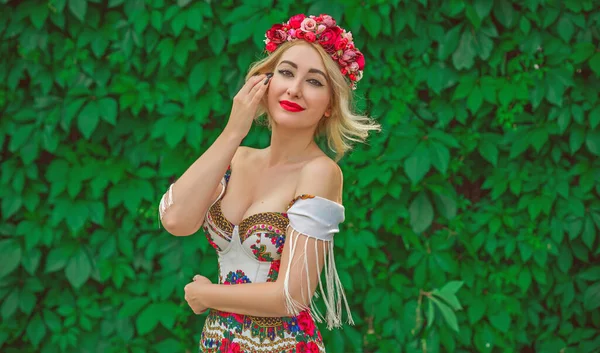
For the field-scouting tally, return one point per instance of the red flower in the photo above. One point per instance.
(360, 60)
(300, 34)
(352, 77)
(296, 21)
(310, 37)
(341, 44)
(306, 323)
(307, 347)
(276, 34)
(271, 47)
(229, 347)
(312, 347)
(328, 39)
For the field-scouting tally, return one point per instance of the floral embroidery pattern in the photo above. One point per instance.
(236, 277)
(274, 271)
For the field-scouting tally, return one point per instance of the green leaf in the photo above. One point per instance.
(589, 233)
(418, 163)
(421, 213)
(576, 138)
(179, 22)
(591, 297)
(88, 119)
(594, 117)
(452, 287)
(595, 63)
(476, 310)
(582, 52)
(148, 319)
(38, 15)
(566, 29)
(483, 7)
(501, 321)
(52, 321)
(447, 313)
(31, 259)
(504, 12)
(524, 280)
(78, 8)
(449, 43)
(372, 23)
(440, 156)
(133, 306)
(107, 109)
(489, 151)
(592, 141)
(36, 330)
(11, 256)
(430, 313)
(446, 205)
(216, 41)
(10, 304)
(78, 269)
(565, 260)
(475, 100)
(464, 56)
(198, 77)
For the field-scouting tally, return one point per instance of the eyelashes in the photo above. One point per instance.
(288, 73)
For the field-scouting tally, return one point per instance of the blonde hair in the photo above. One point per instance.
(344, 125)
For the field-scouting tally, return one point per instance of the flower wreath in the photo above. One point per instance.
(321, 29)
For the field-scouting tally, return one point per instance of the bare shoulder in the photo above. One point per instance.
(322, 177)
(243, 154)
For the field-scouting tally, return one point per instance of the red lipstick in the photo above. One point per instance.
(290, 106)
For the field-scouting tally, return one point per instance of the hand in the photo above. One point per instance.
(245, 104)
(193, 296)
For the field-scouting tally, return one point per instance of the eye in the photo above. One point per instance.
(287, 73)
(315, 82)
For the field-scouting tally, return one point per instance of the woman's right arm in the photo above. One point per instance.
(188, 199)
(192, 194)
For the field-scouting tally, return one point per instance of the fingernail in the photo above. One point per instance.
(270, 74)
(267, 80)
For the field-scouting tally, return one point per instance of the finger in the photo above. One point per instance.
(195, 278)
(260, 93)
(259, 89)
(251, 83)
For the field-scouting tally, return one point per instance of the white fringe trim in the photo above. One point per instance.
(165, 202)
(335, 291)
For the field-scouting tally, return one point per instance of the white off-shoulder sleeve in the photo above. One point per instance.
(167, 199)
(317, 218)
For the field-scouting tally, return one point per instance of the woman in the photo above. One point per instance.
(271, 214)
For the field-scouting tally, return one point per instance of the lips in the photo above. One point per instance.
(290, 106)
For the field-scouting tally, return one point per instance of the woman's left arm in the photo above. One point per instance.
(268, 299)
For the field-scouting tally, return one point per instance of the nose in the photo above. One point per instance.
(295, 88)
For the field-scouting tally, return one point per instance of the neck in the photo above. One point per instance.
(290, 145)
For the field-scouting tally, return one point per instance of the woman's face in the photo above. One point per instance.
(299, 93)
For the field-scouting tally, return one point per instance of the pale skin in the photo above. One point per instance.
(262, 180)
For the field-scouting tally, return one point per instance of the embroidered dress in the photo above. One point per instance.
(251, 253)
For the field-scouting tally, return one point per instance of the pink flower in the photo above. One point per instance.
(353, 66)
(291, 34)
(296, 21)
(328, 20)
(321, 28)
(310, 36)
(308, 25)
(347, 35)
(348, 55)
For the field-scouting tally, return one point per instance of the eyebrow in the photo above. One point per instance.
(316, 71)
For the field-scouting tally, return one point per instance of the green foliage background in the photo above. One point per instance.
(484, 182)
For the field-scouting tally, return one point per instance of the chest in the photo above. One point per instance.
(255, 191)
